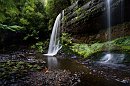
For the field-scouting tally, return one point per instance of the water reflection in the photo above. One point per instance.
(52, 62)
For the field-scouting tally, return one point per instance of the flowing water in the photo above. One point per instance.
(54, 45)
(122, 11)
(110, 57)
(108, 6)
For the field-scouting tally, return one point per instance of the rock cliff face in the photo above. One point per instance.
(86, 20)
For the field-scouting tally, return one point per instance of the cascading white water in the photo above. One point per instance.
(109, 18)
(109, 57)
(108, 6)
(54, 45)
(122, 11)
(112, 58)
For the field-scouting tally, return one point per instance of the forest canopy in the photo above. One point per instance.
(34, 18)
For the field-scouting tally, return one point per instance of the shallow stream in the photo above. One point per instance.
(62, 70)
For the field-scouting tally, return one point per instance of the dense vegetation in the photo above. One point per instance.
(29, 21)
(86, 50)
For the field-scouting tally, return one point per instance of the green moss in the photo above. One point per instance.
(122, 44)
(78, 11)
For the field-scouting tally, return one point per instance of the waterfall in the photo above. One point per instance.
(54, 45)
(109, 12)
(109, 57)
(122, 11)
(108, 6)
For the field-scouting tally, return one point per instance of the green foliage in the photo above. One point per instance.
(12, 28)
(86, 50)
(7, 8)
(24, 21)
(40, 46)
(19, 68)
(2, 17)
(28, 14)
(53, 8)
(66, 39)
(73, 1)
(78, 11)
(32, 16)
(122, 43)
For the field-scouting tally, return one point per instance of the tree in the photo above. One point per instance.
(28, 14)
(54, 7)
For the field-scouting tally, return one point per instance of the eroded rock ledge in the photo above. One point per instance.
(86, 20)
